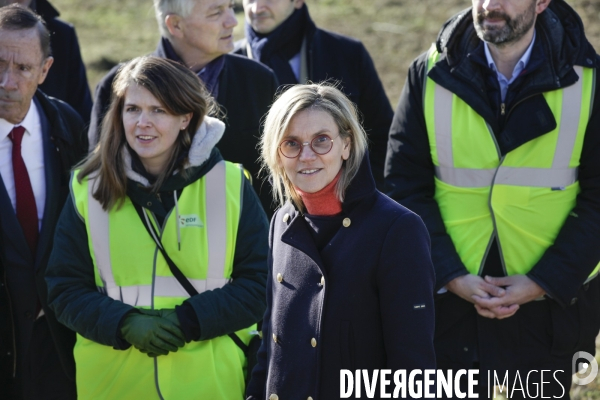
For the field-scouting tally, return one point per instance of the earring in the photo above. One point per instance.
(183, 128)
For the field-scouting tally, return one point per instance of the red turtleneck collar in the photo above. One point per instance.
(323, 202)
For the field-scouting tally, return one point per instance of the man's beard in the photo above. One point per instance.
(512, 31)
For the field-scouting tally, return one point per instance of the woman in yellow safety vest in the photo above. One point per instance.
(159, 260)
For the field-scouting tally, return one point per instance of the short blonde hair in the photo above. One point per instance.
(322, 97)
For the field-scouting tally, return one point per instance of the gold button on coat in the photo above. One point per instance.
(309, 398)
(322, 281)
(273, 397)
(279, 278)
(313, 342)
(346, 222)
(275, 338)
(286, 217)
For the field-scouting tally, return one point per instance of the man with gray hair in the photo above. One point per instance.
(199, 34)
(41, 139)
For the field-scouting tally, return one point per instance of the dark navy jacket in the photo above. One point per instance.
(336, 57)
(22, 282)
(66, 79)
(246, 91)
(366, 299)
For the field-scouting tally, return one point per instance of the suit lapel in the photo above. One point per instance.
(298, 236)
(53, 192)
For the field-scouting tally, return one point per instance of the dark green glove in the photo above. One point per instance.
(167, 313)
(152, 334)
(171, 315)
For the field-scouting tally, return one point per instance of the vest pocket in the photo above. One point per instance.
(347, 345)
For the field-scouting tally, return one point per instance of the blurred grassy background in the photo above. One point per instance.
(394, 32)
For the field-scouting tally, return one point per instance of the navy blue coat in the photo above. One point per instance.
(22, 282)
(332, 56)
(375, 309)
(66, 79)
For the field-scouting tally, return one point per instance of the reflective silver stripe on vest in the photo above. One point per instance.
(559, 175)
(443, 125)
(536, 177)
(216, 217)
(465, 177)
(141, 295)
(569, 123)
(100, 235)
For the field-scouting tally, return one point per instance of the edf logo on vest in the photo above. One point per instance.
(190, 220)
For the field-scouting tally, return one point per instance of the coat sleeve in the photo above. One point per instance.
(409, 174)
(405, 280)
(377, 114)
(566, 264)
(258, 381)
(240, 303)
(79, 96)
(72, 291)
(101, 104)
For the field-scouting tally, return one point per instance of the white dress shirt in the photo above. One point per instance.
(32, 151)
(504, 82)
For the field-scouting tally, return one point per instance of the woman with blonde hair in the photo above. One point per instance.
(159, 259)
(350, 282)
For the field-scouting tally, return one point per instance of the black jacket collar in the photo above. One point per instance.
(59, 129)
(559, 29)
(45, 9)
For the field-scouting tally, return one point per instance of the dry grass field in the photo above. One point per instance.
(394, 32)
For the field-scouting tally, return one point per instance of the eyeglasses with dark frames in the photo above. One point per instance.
(321, 145)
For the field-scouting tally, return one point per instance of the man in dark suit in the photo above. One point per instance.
(199, 34)
(41, 138)
(66, 80)
(281, 35)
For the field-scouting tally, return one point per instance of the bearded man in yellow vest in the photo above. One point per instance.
(496, 145)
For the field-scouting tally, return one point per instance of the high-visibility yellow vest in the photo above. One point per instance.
(522, 198)
(129, 267)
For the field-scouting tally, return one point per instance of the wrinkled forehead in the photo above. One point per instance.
(24, 44)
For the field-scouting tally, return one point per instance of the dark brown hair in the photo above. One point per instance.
(177, 89)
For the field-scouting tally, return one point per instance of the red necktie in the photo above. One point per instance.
(26, 208)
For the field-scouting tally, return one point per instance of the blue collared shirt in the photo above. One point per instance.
(502, 80)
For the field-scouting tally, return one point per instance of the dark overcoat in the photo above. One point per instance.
(246, 91)
(66, 79)
(22, 282)
(364, 302)
(338, 58)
